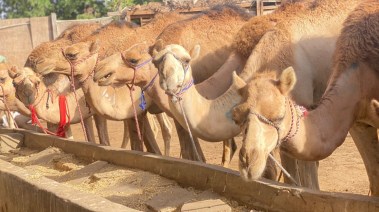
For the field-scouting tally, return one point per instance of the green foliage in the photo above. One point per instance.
(65, 9)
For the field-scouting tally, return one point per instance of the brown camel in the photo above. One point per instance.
(270, 114)
(108, 40)
(119, 70)
(305, 40)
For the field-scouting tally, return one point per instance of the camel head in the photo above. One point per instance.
(130, 66)
(263, 119)
(174, 65)
(6, 83)
(82, 57)
(27, 84)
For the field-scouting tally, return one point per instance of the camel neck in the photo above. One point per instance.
(326, 127)
(112, 102)
(208, 119)
(47, 106)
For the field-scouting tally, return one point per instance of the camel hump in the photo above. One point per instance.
(359, 38)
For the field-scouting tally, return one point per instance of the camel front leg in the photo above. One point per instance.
(88, 124)
(166, 128)
(304, 172)
(102, 129)
(366, 139)
(186, 148)
(149, 136)
(229, 148)
(126, 137)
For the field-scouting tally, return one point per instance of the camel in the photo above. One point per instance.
(280, 47)
(111, 37)
(9, 102)
(255, 111)
(60, 83)
(39, 59)
(117, 70)
(349, 104)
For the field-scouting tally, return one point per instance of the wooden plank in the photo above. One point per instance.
(262, 194)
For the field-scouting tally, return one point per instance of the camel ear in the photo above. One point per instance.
(94, 46)
(13, 72)
(157, 47)
(375, 106)
(195, 52)
(287, 80)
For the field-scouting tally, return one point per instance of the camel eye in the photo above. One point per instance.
(133, 61)
(186, 61)
(71, 56)
(2, 80)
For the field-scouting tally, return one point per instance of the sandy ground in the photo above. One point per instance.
(343, 171)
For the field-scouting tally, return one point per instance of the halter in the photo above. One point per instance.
(290, 134)
(72, 67)
(181, 90)
(131, 89)
(73, 64)
(183, 87)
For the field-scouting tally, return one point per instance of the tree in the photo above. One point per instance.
(65, 9)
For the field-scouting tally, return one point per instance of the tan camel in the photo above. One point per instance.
(9, 102)
(30, 90)
(305, 40)
(349, 104)
(111, 38)
(256, 112)
(120, 70)
(39, 58)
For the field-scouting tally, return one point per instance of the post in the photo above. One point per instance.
(53, 19)
(259, 9)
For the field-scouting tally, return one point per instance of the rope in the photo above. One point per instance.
(75, 95)
(189, 131)
(283, 169)
(131, 89)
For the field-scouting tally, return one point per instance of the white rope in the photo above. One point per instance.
(189, 131)
(283, 169)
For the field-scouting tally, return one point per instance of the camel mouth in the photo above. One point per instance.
(106, 79)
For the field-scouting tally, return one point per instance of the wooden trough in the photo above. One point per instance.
(19, 193)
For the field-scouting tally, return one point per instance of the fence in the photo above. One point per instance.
(19, 36)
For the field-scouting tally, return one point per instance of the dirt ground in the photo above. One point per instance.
(343, 171)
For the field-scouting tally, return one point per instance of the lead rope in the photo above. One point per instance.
(288, 135)
(189, 131)
(177, 95)
(283, 169)
(76, 97)
(131, 89)
(7, 108)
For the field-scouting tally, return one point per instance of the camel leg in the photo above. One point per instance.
(148, 136)
(10, 120)
(53, 128)
(149, 140)
(185, 144)
(166, 128)
(304, 172)
(126, 137)
(135, 143)
(366, 139)
(229, 148)
(69, 133)
(102, 129)
(89, 129)
(153, 124)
